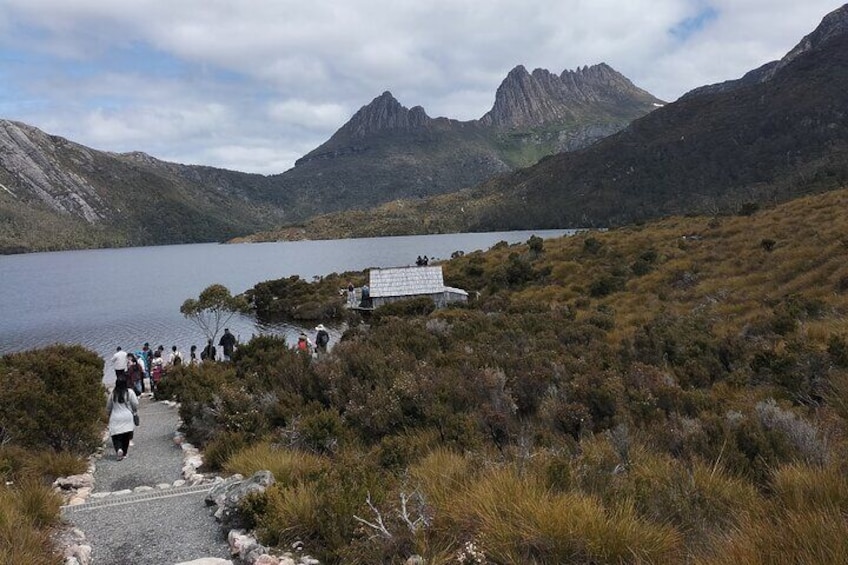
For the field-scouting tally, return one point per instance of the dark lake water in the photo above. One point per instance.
(109, 297)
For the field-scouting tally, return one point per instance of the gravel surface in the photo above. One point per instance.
(160, 527)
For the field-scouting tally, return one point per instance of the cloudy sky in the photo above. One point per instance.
(252, 85)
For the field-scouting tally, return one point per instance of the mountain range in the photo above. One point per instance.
(57, 194)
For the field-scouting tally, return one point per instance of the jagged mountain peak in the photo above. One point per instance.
(529, 99)
(383, 113)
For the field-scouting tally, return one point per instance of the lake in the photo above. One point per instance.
(104, 298)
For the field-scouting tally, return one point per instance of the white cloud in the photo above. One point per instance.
(306, 115)
(256, 84)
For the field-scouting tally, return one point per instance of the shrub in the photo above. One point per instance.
(800, 434)
(606, 285)
(35, 388)
(536, 244)
(592, 245)
(419, 306)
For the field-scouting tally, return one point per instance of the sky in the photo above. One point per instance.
(252, 85)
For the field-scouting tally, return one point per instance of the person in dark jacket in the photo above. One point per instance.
(209, 352)
(322, 338)
(228, 344)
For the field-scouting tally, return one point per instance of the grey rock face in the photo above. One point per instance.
(31, 167)
(227, 496)
(525, 99)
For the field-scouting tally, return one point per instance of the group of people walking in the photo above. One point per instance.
(150, 365)
(141, 371)
(319, 347)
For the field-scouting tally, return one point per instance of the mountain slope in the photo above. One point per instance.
(56, 194)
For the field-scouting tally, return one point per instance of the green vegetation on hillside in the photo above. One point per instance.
(668, 393)
(52, 410)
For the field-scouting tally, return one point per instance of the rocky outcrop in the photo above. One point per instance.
(524, 99)
(384, 113)
(228, 495)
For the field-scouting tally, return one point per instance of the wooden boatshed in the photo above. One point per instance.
(401, 283)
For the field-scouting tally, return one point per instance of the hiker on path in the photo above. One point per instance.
(303, 344)
(157, 368)
(209, 352)
(122, 404)
(147, 354)
(192, 356)
(119, 363)
(135, 374)
(351, 294)
(176, 357)
(228, 344)
(322, 339)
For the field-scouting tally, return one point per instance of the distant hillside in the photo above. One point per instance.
(56, 194)
(770, 137)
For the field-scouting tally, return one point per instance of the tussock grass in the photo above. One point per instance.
(289, 513)
(27, 511)
(812, 536)
(516, 520)
(699, 499)
(288, 467)
(801, 488)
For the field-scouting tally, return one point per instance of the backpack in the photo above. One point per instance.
(178, 359)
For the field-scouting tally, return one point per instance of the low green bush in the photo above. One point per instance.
(52, 398)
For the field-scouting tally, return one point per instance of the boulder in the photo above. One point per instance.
(74, 482)
(228, 495)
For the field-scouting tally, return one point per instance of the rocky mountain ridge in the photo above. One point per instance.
(533, 99)
(387, 151)
(719, 151)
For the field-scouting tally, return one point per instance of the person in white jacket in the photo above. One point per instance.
(122, 404)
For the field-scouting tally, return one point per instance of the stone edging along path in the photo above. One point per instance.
(77, 493)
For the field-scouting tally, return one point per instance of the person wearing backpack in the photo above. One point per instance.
(176, 358)
(322, 339)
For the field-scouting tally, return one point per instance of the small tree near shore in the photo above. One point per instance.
(213, 309)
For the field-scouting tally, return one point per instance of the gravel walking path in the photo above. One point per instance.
(150, 526)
